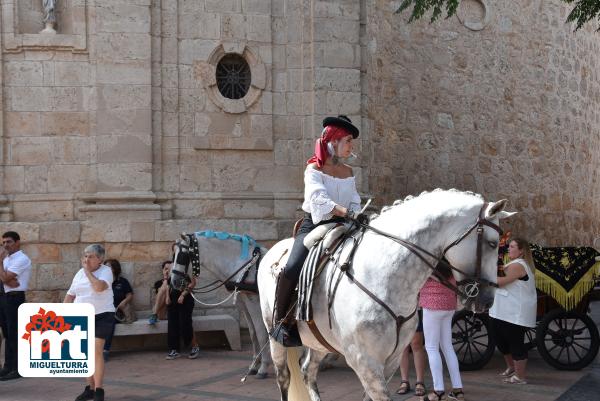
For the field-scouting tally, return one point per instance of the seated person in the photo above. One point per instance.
(161, 287)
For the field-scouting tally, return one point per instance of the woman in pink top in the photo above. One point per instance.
(439, 303)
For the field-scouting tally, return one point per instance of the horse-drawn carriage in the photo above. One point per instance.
(567, 280)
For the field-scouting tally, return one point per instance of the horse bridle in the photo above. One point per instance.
(471, 284)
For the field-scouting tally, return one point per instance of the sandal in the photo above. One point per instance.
(420, 389)
(508, 372)
(514, 379)
(439, 396)
(456, 395)
(404, 387)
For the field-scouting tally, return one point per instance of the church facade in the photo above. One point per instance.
(140, 119)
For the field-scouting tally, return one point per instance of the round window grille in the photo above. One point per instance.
(233, 76)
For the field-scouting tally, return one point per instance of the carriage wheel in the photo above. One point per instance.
(567, 340)
(530, 339)
(471, 340)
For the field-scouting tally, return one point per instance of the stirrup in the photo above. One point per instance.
(286, 335)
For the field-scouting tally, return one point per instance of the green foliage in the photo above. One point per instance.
(583, 12)
(422, 6)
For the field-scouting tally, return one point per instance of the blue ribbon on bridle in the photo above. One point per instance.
(245, 239)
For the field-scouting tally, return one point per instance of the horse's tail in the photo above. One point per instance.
(297, 390)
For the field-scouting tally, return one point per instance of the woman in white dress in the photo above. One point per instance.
(514, 310)
(330, 195)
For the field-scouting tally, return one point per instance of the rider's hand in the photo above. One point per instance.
(361, 218)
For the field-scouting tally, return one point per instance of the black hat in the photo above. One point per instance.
(343, 122)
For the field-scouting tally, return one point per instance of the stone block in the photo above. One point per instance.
(60, 232)
(124, 121)
(65, 178)
(205, 25)
(122, 17)
(55, 276)
(233, 26)
(71, 150)
(110, 230)
(142, 231)
(223, 6)
(124, 97)
(287, 208)
(195, 178)
(22, 124)
(153, 252)
(72, 73)
(43, 210)
(23, 73)
(248, 209)
(29, 98)
(256, 7)
(43, 253)
(124, 177)
(258, 229)
(259, 28)
(199, 208)
(338, 79)
(36, 179)
(29, 151)
(29, 232)
(65, 123)
(135, 72)
(336, 30)
(282, 179)
(14, 179)
(124, 149)
(348, 103)
(69, 98)
(122, 47)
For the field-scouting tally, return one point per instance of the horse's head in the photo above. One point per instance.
(474, 254)
(181, 262)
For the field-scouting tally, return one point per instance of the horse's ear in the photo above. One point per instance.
(495, 208)
(183, 236)
(503, 214)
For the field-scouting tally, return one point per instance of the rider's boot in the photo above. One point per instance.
(283, 332)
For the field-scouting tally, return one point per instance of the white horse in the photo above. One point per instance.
(434, 224)
(222, 259)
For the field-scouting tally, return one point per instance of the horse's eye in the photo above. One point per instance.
(492, 244)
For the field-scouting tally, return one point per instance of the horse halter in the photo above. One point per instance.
(472, 284)
(182, 259)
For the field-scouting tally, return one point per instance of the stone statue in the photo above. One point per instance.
(50, 19)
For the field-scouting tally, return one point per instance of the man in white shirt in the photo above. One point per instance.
(14, 275)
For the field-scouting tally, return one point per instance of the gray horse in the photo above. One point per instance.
(362, 330)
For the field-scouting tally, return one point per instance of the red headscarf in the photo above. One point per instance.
(330, 133)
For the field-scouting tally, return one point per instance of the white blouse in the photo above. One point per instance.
(322, 192)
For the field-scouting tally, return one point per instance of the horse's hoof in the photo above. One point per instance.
(261, 376)
(252, 372)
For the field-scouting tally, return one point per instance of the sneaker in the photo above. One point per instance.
(99, 394)
(88, 394)
(153, 319)
(194, 353)
(173, 354)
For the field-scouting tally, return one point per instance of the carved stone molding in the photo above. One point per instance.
(468, 7)
(75, 41)
(206, 72)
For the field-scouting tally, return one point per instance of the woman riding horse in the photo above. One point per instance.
(330, 195)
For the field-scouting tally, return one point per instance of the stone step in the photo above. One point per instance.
(223, 323)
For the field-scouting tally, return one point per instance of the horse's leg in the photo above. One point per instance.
(241, 304)
(371, 375)
(310, 369)
(279, 355)
(262, 337)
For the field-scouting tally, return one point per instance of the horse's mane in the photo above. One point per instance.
(438, 192)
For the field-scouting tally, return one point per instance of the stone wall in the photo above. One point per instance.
(508, 108)
(114, 131)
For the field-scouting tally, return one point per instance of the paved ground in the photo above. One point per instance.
(216, 376)
(146, 375)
